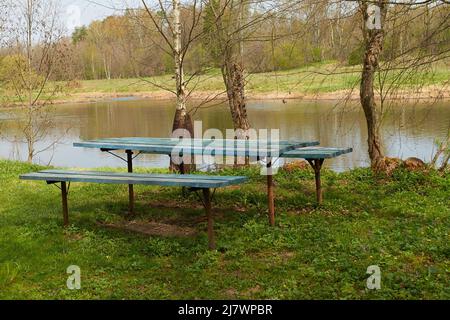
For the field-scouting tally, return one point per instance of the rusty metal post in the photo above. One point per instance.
(317, 166)
(182, 168)
(207, 203)
(184, 191)
(130, 187)
(270, 197)
(235, 152)
(65, 206)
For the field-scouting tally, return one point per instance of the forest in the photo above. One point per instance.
(269, 35)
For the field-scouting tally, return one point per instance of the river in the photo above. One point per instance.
(408, 129)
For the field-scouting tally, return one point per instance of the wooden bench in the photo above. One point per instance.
(196, 182)
(316, 157)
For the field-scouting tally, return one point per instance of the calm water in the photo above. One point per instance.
(409, 130)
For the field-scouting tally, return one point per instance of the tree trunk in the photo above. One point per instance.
(230, 41)
(233, 76)
(29, 129)
(94, 75)
(373, 41)
(182, 119)
(106, 67)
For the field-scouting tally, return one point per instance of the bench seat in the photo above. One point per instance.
(169, 180)
(203, 182)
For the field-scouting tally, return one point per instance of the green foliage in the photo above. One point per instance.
(400, 223)
(356, 56)
(15, 76)
(211, 41)
(11, 67)
(80, 34)
(288, 56)
(316, 54)
(168, 63)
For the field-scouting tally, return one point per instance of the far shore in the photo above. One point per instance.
(327, 81)
(427, 93)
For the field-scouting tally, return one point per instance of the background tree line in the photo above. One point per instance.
(128, 46)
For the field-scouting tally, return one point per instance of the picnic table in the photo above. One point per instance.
(185, 149)
(258, 149)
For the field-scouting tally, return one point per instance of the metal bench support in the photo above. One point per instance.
(130, 187)
(64, 203)
(209, 215)
(317, 166)
(196, 182)
(270, 196)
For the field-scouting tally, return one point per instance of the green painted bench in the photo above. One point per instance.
(316, 157)
(196, 182)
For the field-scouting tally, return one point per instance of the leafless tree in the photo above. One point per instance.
(442, 152)
(382, 74)
(178, 37)
(33, 37)
(230, 24)
(373, 46)
(226, 35)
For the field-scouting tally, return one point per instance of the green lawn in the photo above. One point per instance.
(400, 223)
(318, 78)
(315, 79)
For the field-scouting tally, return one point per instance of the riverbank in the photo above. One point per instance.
(432, 92)
(322, 81)
(325, 81)
(399, 223)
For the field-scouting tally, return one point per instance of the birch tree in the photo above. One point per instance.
(178, 41)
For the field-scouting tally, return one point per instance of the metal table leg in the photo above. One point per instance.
(207, 204)
(270, 196)
(317, 166)
(130, 187)
(64, 203)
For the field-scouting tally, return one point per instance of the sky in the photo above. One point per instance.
(76, 13)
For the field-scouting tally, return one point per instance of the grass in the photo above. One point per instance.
(314, 79)
(400, 223)
(310, 79)
(297, 80)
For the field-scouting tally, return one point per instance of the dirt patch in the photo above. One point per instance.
(183, 221)
(219, 212)
(296, 165)
(250, 292)
(231, 293)
(281, 256)
(73, 236)
(414, 164)
(175, 204)
(152, 228)
(390, 165)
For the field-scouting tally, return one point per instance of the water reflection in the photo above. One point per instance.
(409, 130)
